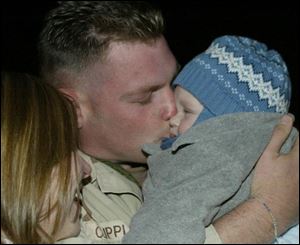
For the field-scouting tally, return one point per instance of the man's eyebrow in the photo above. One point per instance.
(141, 91)
(147, 89)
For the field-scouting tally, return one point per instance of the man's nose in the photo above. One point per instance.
(169, 110)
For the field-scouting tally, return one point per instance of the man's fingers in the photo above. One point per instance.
(280, 133)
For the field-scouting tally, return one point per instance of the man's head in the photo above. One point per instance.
(235, 74)
(112, 59)
(78, 33)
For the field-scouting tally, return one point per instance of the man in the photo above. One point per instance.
(111, 58)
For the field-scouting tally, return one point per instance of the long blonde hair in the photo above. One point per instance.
(38, 134)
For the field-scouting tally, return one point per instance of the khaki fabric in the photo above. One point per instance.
(111, 200)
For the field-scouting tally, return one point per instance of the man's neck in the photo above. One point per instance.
(138, 171)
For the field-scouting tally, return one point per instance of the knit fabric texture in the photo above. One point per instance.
(237, 74)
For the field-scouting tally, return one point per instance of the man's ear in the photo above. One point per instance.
(73, 96)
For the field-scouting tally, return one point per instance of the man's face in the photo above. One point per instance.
(128, 100)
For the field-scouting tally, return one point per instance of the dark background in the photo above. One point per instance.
(190, 28)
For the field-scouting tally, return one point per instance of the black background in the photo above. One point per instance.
(190, 28)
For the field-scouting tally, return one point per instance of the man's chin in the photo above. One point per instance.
(142, 160)
(137, 159)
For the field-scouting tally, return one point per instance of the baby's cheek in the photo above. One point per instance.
(187, 123)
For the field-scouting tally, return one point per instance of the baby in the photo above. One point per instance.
(233, 95)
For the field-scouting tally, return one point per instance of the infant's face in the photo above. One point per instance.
(188, 110)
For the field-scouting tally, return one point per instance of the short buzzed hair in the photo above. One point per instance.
(77, 33)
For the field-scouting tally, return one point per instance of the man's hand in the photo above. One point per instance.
(276, 182)
(276, 178)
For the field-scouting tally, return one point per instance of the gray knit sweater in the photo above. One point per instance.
(205, 174)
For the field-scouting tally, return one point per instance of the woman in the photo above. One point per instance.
(40, 169)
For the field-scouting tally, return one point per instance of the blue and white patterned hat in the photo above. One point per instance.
(237, 74)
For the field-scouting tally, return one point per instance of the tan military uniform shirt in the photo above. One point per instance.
(111, 200)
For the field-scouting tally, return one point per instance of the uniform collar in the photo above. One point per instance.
(109, 179)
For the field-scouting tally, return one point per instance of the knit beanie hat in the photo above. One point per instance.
(237, 74)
